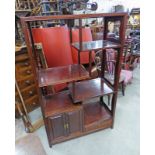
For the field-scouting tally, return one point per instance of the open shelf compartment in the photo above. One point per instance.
(84, 90)
(95, 45)
(96, 115)
(59, 75)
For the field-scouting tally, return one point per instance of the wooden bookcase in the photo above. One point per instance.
(80, 110)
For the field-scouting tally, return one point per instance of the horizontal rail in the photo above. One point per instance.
(81, 16)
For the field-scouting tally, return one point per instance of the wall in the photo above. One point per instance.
(106, 5)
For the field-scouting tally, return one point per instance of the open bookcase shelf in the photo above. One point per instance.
(85, 90)
(59, 75)
(95, 114)
(95, 45)
(66, 114)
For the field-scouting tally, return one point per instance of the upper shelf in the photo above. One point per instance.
(59, 75)
(95, 45)
(84, 90)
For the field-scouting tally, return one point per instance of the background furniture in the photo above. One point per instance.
(73, 113)
(26, 80)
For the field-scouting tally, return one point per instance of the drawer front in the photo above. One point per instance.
(22, 57)
(24, 72)
(31, 107)
(32, 100)
(32, 103)
(26, 82)
(29, 92)
(23, 64)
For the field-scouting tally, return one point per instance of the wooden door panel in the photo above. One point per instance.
(57, 126)
(74, 120)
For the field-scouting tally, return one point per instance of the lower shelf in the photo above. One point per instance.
(96, 115)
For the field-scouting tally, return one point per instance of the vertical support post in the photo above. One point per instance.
(90, 62)
(73, 89)
(80, 39)
(70, 32)
(33, 46)
(123, 21)
(103, 59)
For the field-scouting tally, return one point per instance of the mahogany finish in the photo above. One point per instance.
(58, 75)
(63, 119)
(95, 115)
(81, 16)
(57, 103)
(26, 81)
(84, 90)
(95, 45)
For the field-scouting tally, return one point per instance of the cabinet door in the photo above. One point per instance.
(74, 121)
(56, 124)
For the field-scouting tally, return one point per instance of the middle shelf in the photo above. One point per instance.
(59, 75)
(84, 90)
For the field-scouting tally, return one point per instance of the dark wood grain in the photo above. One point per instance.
(58, 75)
(58, 103)
(81, 16)
(95, 115)
(95, 45)
(80, 91)
(88, 89)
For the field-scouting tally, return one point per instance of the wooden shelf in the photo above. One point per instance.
(58, 103)
(59, 75)
(95, 45)
(84, 90)
(95, 114)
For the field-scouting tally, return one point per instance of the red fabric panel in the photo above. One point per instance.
(56, 46)
(86, 36)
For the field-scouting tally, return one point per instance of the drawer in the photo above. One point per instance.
(29, 91)
(32, 103)
(22, 64)
(32, 100)
(31, 107)
(22, 57)
(26, 82)
(24, 72)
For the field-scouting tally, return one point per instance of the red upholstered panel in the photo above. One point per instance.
(86, 36)
(56, 45)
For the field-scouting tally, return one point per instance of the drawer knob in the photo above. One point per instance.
(26, 63)
(34, 103)
(28, 72)
(31, 93)
(28, 82)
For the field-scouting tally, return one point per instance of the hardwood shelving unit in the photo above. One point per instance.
(73, 113)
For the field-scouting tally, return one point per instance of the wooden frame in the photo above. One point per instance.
(122, 17)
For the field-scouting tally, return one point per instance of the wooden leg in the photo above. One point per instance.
(90, 63)
(109, 96)
(123, 88)
(79, 57)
